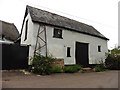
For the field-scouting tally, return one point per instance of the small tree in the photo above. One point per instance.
(115, 51)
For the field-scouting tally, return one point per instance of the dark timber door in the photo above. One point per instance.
(82, 54)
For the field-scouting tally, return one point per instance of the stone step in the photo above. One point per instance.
(87, 69)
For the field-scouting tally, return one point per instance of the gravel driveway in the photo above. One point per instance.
(107, 79)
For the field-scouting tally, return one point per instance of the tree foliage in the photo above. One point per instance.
(113, 59)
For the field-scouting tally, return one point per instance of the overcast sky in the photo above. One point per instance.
(101, 14)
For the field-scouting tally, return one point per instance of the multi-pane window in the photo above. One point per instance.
(57, 33)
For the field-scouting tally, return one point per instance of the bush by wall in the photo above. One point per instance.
(99, 68)
(44, 65)
(41, 64)
(113, 61)
(56, 69)
(71, 68)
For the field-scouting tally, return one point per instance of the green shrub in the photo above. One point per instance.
(113, 61)
(56, 69)
(99, 68)
(71, 68)
(41, 64)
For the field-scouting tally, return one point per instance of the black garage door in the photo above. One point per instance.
(82, 54)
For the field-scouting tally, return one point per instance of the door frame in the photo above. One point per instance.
(87, 51)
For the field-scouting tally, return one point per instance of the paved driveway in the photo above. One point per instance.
(107, 79)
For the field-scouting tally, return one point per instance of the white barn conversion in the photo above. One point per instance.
(72, 41)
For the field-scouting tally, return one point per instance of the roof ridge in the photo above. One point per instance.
(56, 14)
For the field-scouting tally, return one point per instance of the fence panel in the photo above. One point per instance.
(14, 56)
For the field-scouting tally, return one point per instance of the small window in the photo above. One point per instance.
(57, 33)
(26, 28)
(3, 37)
(99, 48)
(68, 52)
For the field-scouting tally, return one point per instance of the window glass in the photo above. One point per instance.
(99, 48)
(68, 52)
(57, 33)
(26, 28)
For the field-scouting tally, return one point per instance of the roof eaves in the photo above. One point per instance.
(71, 29)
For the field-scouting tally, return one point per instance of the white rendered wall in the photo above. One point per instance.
(31, 36)
(58, 47)
(30, 40)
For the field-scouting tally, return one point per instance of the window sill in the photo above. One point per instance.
(68, 56)
(58, 37)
